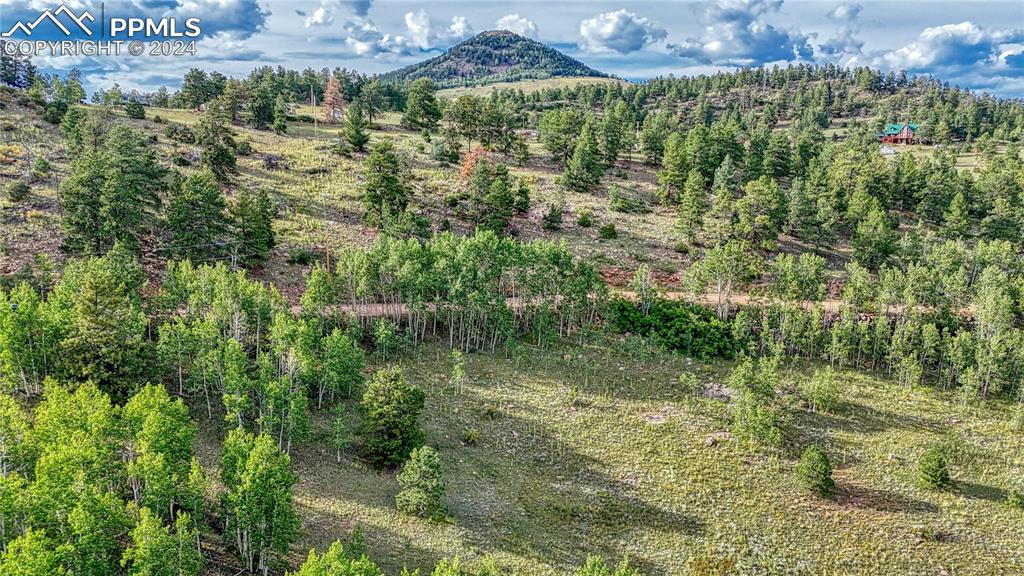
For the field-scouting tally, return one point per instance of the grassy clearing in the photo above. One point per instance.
(596, 449)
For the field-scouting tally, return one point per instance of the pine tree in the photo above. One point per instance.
(196, 218)
(422, 485)
(334, 104)
(674, 168)
(355, 127)
(133, 109)
(217, 146)
(802, 218)
(385, 194)
(718, 223)
(815, 472)
(957, 223)
(421, 109)
(391, 408)
(106, 339)
(692, 205)
(252, 217)
(112, 192)
(280, 115)
(932, 468)
(874, 240)
(584, 169)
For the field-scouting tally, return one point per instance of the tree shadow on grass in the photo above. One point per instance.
(980, 491)
(856, 496)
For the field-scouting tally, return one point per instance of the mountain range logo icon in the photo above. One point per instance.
(53, 16)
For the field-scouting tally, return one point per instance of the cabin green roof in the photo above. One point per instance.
(893, 129)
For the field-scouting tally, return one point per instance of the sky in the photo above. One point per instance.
(971, 43)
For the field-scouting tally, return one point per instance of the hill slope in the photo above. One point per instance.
(494, 56)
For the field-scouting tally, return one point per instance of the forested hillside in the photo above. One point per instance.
(495, 56)
(700, 326)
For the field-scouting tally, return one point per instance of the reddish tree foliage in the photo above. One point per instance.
(470, 160)
(334, 104)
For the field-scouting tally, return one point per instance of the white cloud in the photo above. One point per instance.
(619, 31)
(844, 44)
(951, 46)
(518, 24)
(736, 34)
(322, 16)
(361, 36)
(845, 13)
(423, 34)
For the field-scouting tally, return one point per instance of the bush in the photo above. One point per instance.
(181, 161)
(585, 218)
(932, 468)
(757, 422)
(302, 257)
(244, 148)
(1015, 498)
(41, 169)
(390, 429)
(607, 232)
(180, 133)
(158, 119)
(18, 190)
(595, 566)
(628, 201)
(675, 325)
(422, 485)
(134, 110)
(552, 219)
(821, 392)
(814, 472)
(471, 437)
(54, 112)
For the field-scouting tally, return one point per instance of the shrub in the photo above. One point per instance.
(675, 325)
(244, 148)
(302, 257)
(134, 110)
(932, 468)
(1015, 498)
(41, 169)
(422, 485)
(180, 133)
(585, 218)
(54, 112)
(471, 437)
(552, 219)
(814, 472)
(18, 190)
(390, 429)
(607, 232)
(628, 201)
(181, 161)
(756, 421)
(158, 119)
(596, 566)
(821, 391)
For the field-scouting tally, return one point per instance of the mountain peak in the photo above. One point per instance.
(493, 56)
